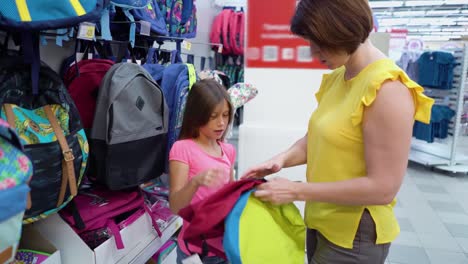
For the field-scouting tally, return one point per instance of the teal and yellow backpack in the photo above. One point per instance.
(259, 232)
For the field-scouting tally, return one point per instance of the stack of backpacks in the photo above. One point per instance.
(105, 121)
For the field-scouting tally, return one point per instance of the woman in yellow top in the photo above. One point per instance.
(358, 140)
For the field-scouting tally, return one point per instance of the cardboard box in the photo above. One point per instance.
(32, 239)
(140, 241)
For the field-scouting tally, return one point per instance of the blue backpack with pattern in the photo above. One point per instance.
(15, 172)
(177, 81)
(181, 17)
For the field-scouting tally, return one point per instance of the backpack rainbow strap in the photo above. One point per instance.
(259, 232)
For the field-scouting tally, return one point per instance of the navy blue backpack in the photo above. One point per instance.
(177, 80)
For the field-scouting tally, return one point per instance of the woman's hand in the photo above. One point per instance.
(268, 167)
(278, 191)
(210, 178)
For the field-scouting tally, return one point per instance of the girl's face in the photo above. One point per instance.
(332, 60)
(217, 123)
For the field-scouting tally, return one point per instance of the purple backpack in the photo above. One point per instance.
(98, 214)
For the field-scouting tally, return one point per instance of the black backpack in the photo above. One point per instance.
(49, 127)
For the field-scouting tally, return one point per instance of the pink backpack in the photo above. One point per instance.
(236, 31)
(83, 86)
(220, 31)
(98, 214)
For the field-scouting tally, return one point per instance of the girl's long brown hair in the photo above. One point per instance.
(203, 98)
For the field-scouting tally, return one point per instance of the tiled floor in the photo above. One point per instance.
(432, 210)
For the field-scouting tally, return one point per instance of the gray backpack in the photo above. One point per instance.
(129, 133)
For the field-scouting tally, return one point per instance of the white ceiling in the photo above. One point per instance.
(425, 19)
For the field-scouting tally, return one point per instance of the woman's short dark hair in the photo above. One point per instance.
(333, 25)
(202, 99)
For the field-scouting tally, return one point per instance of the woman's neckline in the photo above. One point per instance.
(366, 68)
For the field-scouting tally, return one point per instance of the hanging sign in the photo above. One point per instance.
(270, 43)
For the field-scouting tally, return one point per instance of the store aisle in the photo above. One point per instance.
(432, 210)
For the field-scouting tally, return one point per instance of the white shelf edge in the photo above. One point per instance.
(147, 250)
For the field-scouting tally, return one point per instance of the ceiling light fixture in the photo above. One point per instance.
(380, 4)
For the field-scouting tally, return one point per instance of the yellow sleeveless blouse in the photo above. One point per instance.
(335, 148)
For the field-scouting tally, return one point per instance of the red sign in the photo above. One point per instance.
(270, 43)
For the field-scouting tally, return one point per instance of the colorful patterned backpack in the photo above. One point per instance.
(181, 17)
(48, 125)
(15, 172)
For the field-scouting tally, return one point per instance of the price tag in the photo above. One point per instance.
(194, 259)
(186, 45)
(86, 31)
(220, 48)
(145, 28)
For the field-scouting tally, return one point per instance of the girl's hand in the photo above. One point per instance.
(278, 191)
(268, 167)
(210, 178)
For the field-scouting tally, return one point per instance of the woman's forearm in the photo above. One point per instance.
(296, 154)
(358, 191)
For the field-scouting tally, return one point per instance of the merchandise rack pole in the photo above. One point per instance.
(460, 103)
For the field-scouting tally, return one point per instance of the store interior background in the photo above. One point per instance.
(433, 205)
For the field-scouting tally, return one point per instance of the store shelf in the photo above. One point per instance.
(150, 244)
(434, 153)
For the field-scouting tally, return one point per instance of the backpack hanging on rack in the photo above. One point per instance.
(129, 133)
(152, 14)
(236, 26)
(83, 81)
(48, 14)
(49, 126)
(177, 80)
(16, 171)
(180, 16)
(126, 6)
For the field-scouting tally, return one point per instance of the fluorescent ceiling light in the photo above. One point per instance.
(409, 13)
(423, 3)
(442, 12)
(394, 21)
(377, 4)
(435, 38)
(455, 2)
(454, 29)
(462, 23)
(427, 30)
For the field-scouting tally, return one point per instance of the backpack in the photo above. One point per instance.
(278, 238)
(16, 170)
(177, 81)
(236, 32)
(221, 31)
(49, 127)
(98, 214)
(129, 133)
(180, 16)
(152, 14)
(206, 218)
(82, 82)
(38, 15)
(126, 6)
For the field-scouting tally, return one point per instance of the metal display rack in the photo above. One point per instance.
(446, 154)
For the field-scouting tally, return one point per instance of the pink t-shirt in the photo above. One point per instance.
(190, 153)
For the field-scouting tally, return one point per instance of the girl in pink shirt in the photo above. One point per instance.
(200, 163)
